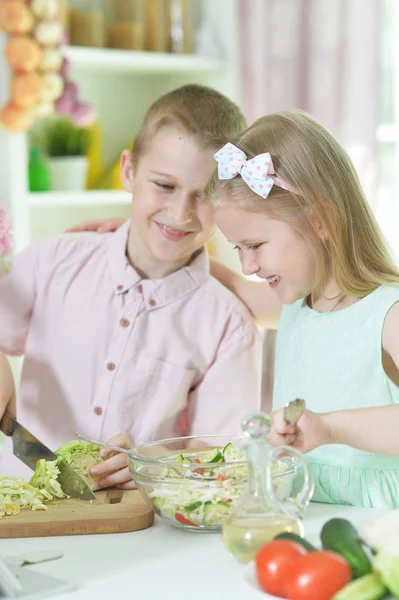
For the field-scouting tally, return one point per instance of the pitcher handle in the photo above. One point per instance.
(300, 502)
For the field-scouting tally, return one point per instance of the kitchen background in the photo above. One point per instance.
(103, 62)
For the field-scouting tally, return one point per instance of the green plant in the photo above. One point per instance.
(62, 138)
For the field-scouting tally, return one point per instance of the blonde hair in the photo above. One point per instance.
(309, 158)
(198, 110)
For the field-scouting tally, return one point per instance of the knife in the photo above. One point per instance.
(29, 450)
(293, 410)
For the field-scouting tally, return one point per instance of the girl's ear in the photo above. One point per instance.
(323, 226)
(317, 225)
(126, 165)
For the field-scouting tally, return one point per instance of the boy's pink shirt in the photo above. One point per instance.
(108, 352)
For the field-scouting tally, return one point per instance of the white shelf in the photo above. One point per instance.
(105, 59)
(85, 198)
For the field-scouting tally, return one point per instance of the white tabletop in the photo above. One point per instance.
(160, 562)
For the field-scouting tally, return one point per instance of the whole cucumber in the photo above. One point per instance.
(294, 537)
(339, 535)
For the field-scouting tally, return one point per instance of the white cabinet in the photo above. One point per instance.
(121, 85)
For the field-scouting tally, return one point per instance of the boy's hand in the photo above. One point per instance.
(7, 387)
(311, 431)
(114, 471)
(99, 226)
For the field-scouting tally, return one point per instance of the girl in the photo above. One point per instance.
(287, 196)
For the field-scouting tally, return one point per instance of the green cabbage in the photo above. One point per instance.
(82, 456)
(386, 563)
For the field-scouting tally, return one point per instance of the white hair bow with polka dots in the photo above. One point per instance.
(258, 172)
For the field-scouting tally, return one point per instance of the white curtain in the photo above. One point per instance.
(321, 56)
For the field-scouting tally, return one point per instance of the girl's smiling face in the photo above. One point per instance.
(269, 248)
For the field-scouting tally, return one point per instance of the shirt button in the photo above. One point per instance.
(152, 302)
(124, 323)
(119, 287)
(140, 288)
(110, 366)
(98, 410)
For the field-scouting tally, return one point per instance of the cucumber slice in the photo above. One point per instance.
(193, 506)
(184, 460)
(231, 453)
(214, 457)
(214, 514)
(181, 460)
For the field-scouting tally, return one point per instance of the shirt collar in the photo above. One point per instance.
(123, 275)
(156, 292)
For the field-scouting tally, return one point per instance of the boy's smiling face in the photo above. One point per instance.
(170, 220)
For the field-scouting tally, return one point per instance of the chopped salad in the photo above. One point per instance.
(205, 494)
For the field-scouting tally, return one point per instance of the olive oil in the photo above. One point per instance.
(243, 537)
(260, 514)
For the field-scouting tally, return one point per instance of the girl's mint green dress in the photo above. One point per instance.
(334, 362)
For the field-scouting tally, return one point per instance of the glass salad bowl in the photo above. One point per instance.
(194, 482)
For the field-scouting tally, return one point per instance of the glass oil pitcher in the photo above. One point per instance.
(264, 511)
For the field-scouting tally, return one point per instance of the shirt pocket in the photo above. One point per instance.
(155, 398)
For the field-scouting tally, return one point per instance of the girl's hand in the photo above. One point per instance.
(114, 471)
(98, 226)
(311, 431)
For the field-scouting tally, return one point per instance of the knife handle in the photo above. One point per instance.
(7, 424)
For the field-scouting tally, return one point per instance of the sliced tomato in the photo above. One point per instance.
(221, 478)
(200, 471)
(317, 576)
(182, 519)
(273, 563)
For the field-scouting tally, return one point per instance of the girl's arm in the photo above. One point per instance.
(97, 225)
(369, 429)
(372, 429)
(7, 386)
(260, 300)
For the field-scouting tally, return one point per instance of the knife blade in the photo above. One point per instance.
(29, 450)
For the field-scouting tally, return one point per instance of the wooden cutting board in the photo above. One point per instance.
(113, 511)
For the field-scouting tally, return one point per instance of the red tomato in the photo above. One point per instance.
(199, 470)
(317, 576)
(273, 563)
(182, 519)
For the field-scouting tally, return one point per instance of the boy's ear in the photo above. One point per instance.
(126, 168)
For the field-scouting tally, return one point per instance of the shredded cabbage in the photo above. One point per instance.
(16, 493)
(45, 478)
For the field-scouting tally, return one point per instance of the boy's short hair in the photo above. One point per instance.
(199, 110)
